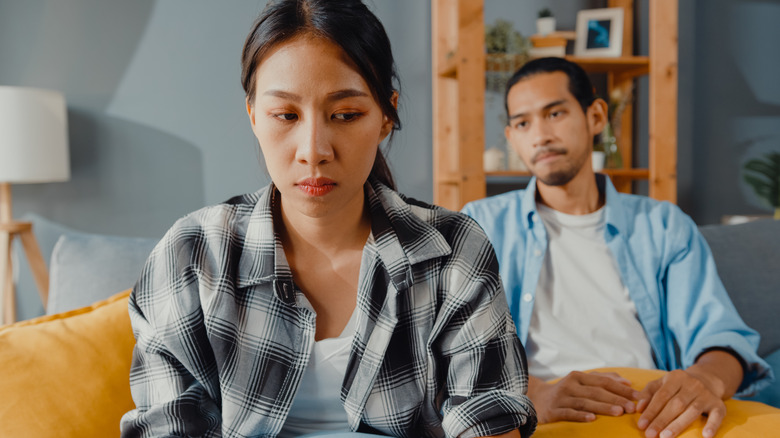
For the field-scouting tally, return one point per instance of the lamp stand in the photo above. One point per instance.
(8, 230)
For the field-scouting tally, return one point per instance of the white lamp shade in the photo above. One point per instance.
(33, 136)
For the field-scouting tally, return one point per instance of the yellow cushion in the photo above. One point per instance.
(744, 418)
(67, 375)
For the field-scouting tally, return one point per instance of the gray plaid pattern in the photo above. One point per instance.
(222, 345)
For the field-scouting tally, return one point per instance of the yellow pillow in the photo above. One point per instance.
(744, 418)
(67, 375)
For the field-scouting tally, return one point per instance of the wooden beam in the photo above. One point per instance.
(663, 98)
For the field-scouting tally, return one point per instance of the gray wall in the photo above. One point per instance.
(734, 92)
(156, 112)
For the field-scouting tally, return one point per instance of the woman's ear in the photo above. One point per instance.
(597, 116)
(250, 110)
(387, 125)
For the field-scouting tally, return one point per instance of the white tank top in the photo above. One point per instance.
(317, 406)
(583, 317)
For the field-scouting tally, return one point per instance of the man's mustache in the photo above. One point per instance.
(546, 150)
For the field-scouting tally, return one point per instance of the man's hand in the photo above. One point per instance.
(671, 403)
(580, 396)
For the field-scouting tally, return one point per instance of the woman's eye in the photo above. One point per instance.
(285, 116)
(346, 117)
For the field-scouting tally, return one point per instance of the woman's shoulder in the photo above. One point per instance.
(219, 225)
(221, 215)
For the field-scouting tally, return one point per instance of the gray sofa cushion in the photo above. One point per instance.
(748, 261)
(85, 268)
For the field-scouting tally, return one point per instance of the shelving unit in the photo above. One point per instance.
(459, 66)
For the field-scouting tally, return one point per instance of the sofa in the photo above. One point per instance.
(65, 374)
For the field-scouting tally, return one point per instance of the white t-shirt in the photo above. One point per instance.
(582, 317)
(317, 406)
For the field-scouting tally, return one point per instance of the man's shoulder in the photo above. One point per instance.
(653, 217)
(495, 207)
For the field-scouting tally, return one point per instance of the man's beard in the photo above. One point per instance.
(559, 177)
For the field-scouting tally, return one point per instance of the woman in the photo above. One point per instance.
(326, 301)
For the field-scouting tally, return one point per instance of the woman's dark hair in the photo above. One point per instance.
(347, 23)
(579, 82)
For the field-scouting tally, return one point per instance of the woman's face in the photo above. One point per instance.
(318, 126)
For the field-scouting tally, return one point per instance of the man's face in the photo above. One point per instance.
(548, 128)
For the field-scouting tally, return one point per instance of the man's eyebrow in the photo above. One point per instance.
(546, 107)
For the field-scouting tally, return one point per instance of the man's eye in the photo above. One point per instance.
(346, 117)
(556, 114)
(521, 125)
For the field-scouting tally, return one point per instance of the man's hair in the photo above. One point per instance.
(579, 82)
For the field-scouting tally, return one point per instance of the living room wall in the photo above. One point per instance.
(157, 118)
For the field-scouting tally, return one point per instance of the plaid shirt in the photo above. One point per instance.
(222, 344)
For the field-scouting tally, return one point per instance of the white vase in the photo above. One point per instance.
(545, 25)
(597, 159)
(493, 160)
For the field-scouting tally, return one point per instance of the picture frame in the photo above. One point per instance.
(599, 32)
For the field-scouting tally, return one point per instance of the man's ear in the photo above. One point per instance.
(597, 115)
(250, 110)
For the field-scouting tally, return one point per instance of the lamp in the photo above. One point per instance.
(33, 149)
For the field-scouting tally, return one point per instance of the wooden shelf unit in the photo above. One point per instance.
(460, 64)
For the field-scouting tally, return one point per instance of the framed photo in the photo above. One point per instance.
(599, 32)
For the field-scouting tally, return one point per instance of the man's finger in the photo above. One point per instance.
(569, 414)
(605, 400)
(661, 400)
(671, 427)
(714, 420)
(609, 384)
(596, 407)
(612, 375)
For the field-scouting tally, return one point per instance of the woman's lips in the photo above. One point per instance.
(316, 186)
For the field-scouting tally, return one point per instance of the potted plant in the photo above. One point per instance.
(763, 175)
(507, 50)
(545, 23)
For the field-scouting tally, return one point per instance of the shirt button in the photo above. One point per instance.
(535, 218)
(537, 252)
(527, 298)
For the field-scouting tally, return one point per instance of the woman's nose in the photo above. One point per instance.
(314, 146)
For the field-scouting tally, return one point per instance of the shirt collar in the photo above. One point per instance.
(403, 235)
(614, 215)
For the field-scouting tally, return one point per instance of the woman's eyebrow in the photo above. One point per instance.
(349, 92)
(283, 94)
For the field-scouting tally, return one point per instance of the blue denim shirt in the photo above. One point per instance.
(663, 260)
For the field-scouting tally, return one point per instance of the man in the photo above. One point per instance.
(597, 278)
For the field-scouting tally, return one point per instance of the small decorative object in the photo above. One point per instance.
(609, 147)
(597, 160)
(514, 162)
(619, 98)
(763, 175)
(493, 159)
(507, 50)
(545, 24)
(501, 37)
(599, 32)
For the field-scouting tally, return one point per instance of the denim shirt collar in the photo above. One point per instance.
(615, 216)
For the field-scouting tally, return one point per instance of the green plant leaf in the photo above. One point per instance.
(763, 175)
